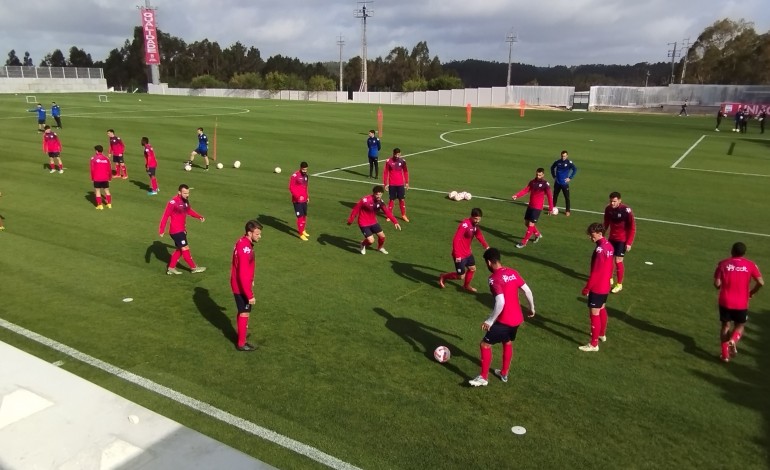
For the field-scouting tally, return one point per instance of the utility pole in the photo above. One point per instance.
(340, 42)
(686, 47)
(154, 68)
(673, 53)
(510, 39)
(363, 14)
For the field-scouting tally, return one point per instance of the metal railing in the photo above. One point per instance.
(13, 71)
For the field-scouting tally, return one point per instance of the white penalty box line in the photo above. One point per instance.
(692, 147)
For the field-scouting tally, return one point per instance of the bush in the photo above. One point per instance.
(206, 81)
(246, 81)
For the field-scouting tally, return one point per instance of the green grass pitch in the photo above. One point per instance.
(345, 341)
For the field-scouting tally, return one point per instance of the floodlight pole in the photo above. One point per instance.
(686, 47)
(340, 42)
(510, 39)
(154, 68)
(673, 53)
(363, 14)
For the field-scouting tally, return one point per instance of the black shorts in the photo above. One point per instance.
(180, 239)
(117, 159)
(202, 153)
(300, 208)
(242, 303)
(151, 171)
(53, 154)
(733, 315)
(463, 264)
(532, 214)
(619, 247)
(596, 300)
(41, 121)
(101, 185)
(370, 230)
(500, 333)
(396, 192)
(375, 158)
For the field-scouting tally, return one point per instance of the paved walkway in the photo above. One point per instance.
(52, 419)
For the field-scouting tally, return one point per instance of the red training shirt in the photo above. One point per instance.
(466, 232)
(396, 173)
(149, 157)
(101, 170)
(177, 210)
(539, 189)
(242, 270)
(621, 224)
(507, 281)
(736, 274)
(366, 209)
(51, 142)
(117, 147)
(298, 186)
(601, 267)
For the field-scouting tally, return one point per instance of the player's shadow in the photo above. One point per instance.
(348, 204)
(497, 233)
(345, 244)
(687, 342)
(416, 272)
(547, 263)
(555, 328)
(214, 313)
(357, 173)
(276, 223)
(91, 197)
(423, 339)
(160, 251)
(141, 185)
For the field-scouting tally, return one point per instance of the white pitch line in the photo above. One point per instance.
(455, 145)
(688, 151)
(723, 172)
(465, 130)
(197, 405)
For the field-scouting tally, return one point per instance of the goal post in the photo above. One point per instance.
(103, 99)
(31, 99)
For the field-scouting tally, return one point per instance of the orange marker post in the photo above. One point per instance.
(522, 106)
(468, 111)
(379, 121)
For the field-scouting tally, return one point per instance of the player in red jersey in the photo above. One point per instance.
(395, 178)
(733, 279)
(177, 210)
(299, 198)
(242, 280)
(505, 318)
(117, 148)
(366, 209)
(150, 165)
(465, 263)
(52, 146)
(598, 286)
(101, 176)
(619, 220)
(538, 188)
(2, 227)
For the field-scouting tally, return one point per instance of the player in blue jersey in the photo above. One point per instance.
(202, 149)
(56, 114)
(374, 146)
(563, 171)
(40, 110)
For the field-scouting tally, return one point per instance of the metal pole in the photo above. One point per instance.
(363, 14)
(510, 39)
(340, 42)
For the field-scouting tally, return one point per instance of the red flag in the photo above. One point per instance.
(150, 33)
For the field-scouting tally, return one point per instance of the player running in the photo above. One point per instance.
(465, 263)
(366, 210)
(538, 188)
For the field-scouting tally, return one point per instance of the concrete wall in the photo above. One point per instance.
(52, 85)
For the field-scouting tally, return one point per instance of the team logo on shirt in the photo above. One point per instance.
(246, 250)
(738, 269)
(508, 278)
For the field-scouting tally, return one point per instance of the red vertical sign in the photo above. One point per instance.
(379, 121)
(150, 33)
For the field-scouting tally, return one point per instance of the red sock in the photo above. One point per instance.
(530, 231)
(402, 206)
(188, 258)
(365, 242)
(507, 356)
(154, 183)
(736, 336)
(535, 230)
(61, 166)
(621, 268)
(174, 259)
(603, 318)
(390, 205)
(468, 276)
(596, 325)
(380, 242)
(486, 361)
(243, 326)
(302, 222)
(125, 171)
(299, 225)
(450, 276)
(117, 169)
(98, 200)
(51, 165)
(725, 350)
(109, 198)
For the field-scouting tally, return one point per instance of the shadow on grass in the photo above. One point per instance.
(348, 204)
(344, 244)
(547, 263)
(141, 185)
(556, 328)
(214, 313)
(91, 197)
(358, 173)
(277, 224)
(416, 272)
(425, 338)
(160, 251)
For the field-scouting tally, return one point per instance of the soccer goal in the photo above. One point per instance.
(31, 99)
(103, 99)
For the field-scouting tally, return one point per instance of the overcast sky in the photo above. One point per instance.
(549, 32)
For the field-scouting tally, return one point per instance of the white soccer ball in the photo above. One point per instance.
(237, 164)
(468, 196)
(442, 354)
(187, 168)
(555, 211)
(459, 197)
(453, 195)
(220, 166)
(277, 169)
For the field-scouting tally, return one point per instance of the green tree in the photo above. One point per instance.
(321, 83)
(206, 81)
(246, 81)
(79, 58)
(714, 56)
(421, 58)
(13, 59)
(275, 81)
(445, 82)
(27, 62)
(400, 68)
(415, 84)
(54, 59)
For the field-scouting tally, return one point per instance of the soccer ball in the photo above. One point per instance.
(442, 354)
(187, 168)
(453, 195)
(277, 169)
(468, 196)
(555, 211)
(220, 166)
(459, 197)
(237, 164)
